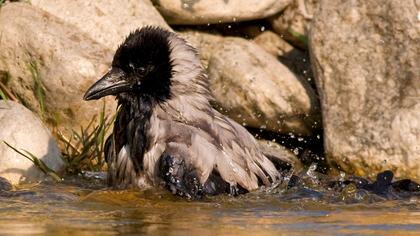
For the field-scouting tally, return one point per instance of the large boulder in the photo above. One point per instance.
(107, 22)
(255, 89)
(366, 58)
(69, 52)
(217, 11)
(50, 64)
(295, 59)
(23, 130)
(293, 23)
(204, 42)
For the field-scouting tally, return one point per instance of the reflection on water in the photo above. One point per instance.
(82, 209)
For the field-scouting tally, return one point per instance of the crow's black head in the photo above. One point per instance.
(141, 66)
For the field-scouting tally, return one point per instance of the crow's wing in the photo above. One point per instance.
(213, 143)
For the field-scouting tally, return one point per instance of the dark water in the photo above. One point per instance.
(85, 207)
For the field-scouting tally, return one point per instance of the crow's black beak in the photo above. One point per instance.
(111, 83)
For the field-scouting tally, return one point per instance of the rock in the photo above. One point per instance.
(294, 22)
(107, 22)
(5, 185)
(272, 149)
(220, 11)
(65, 62)
(256, 90)
(23, 130)
(203, 42)
(295, 59)
(367, 56)
(273, 44)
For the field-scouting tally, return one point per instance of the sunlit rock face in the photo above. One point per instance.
(294, 22)
(193, 12)
(366, 57)
(204, 42)
(23, 130)
(71, 43)
(295, 59)
(107, 22)
(39, 52)
(255, 89)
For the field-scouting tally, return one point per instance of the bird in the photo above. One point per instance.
(166, 132)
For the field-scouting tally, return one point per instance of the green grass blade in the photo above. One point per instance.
(300, 37)
(3, 95)
(37, 162)
(39, 88)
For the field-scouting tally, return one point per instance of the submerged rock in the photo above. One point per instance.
(256, 90)
(367, 56)
(351, 189)
(219, 11)
(23, 130)
(5, 185)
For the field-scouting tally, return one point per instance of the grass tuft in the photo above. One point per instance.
(3, 96)
(5, 93)
(39, 88)
(84, 150)
(37, 162)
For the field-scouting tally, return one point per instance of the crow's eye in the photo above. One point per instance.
(131, 65)
(141, 70)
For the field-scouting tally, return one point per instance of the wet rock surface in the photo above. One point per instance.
(5, 185)
(24, 131)
(349, 189)
(219, 11)
(366, 58)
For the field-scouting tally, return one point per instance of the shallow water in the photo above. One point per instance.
(78, 206)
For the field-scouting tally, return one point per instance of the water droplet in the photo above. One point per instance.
(342, 175)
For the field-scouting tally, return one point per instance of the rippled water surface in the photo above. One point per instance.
(74, 207)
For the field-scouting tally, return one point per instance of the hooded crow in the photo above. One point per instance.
(166, 132)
